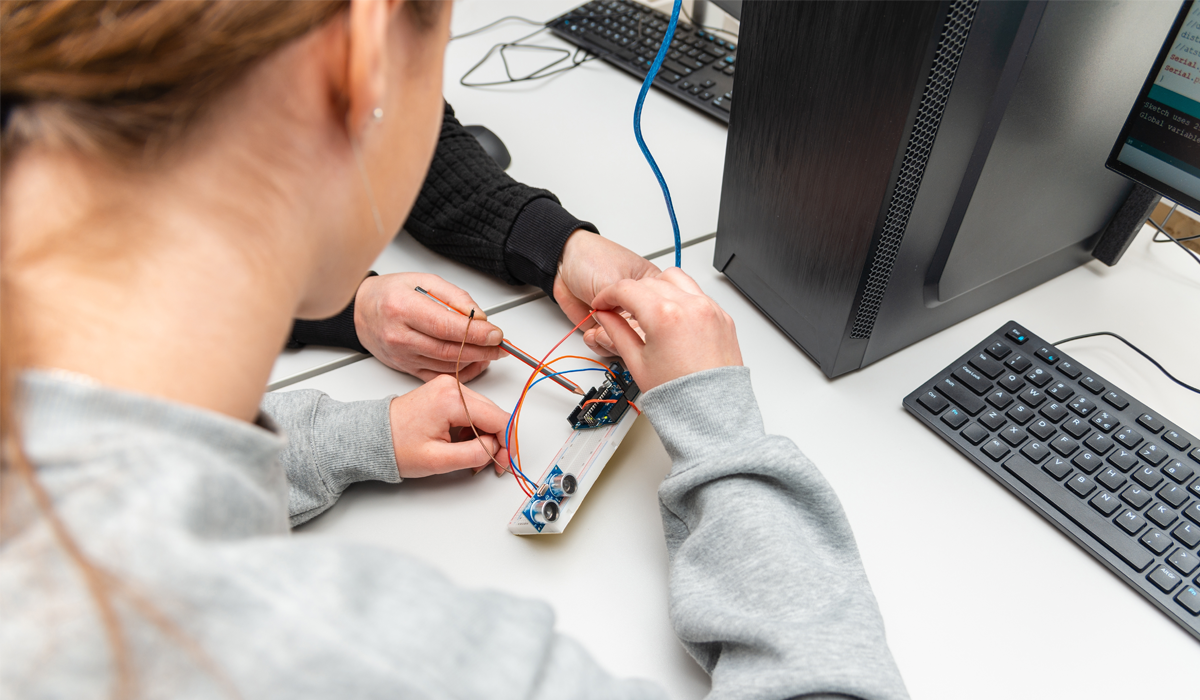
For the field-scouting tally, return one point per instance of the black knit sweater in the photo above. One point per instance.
(469, 210)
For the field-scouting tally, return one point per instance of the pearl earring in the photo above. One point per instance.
(378, 114)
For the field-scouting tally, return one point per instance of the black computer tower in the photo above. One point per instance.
(895, 167)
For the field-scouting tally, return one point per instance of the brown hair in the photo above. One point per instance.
(121, 79)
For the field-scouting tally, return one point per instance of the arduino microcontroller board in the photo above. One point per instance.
(599, 423)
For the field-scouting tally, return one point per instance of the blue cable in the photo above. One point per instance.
(637, 122)
(508, 428)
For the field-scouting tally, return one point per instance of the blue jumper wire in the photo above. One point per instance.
(508, 428)
(637, 123)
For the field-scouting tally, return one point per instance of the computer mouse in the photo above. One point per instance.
(491, 143)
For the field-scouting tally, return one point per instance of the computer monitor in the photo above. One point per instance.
(1159, 146)
(893, 168)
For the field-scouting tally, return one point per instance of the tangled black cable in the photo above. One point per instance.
(1135, 349)
(1177, 241)
(577, 58)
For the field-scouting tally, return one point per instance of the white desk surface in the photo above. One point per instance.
(981, 596)
(573, 135)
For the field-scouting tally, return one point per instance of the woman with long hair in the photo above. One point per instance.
(180, 181)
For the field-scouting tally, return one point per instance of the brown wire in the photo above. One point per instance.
(457, 363)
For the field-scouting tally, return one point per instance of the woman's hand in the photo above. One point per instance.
(414, 334)
(589, 264)
(685, 331)
(431, 433)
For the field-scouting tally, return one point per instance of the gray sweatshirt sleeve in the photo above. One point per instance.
(767, 591)
(330, 445)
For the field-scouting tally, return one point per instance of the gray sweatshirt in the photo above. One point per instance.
(188, 513)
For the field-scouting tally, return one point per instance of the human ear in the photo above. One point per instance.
(366, 59)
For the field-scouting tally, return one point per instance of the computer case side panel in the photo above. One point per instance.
(824, 103)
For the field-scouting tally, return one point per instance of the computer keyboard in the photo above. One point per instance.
(698, 70)
(1113, 474)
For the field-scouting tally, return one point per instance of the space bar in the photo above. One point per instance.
(1079, 512)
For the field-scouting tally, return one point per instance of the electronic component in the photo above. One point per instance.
(594, 439)
(604, 405)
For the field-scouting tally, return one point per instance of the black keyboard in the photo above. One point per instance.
(698, 69)
(1114, 475)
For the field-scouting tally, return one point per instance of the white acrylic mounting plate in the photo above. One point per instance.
(584, 455)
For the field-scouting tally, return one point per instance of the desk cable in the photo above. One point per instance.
(1136, 349)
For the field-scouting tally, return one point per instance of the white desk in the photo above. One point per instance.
(587, 157)
(982, 597)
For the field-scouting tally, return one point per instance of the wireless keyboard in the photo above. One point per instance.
(1114, 475)
(698, 70)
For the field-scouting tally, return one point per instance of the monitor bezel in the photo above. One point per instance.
(1127, 171)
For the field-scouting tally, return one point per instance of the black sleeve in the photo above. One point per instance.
(471, 211)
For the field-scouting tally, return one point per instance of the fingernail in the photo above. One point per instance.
(494, 338)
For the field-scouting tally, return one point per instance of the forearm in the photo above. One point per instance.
(471, 211)
(330, 446)
(767, 590)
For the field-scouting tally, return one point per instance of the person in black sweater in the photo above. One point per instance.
(471, 211)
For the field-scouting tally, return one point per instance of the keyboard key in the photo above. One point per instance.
(1039, 377)
(1057, 467)
(1136, 496)
(960, 395)
(1161, 515)
(1042, 429)
(1130, 522)
(1189, 598)
(1195, 488)
(1082, 406)
(1192, 512)
(1176, 440)
(999, 350)
(1077, 427)
(1092, 384)
(1123, 460)
(1018, 362)
(1188, 534)
(1116, 400)
(1164, 578)
(1000, 398)
(973, 379)
(1105, 502)
(975, 433)
(1178, 471)
(1036, 452)
(1184, 561)
(1064, 445)
(1195, 454)
(1081, 485)
(1098, 443)
(954, 418)
(993, 419)
(1070, 369)
(707, 84)
(1054, 411)
(1173, 494)
(1128, 437)
(706, 96)
(1017, 334)
(1100, 528)
(1105, 421)
(721, 103)
(1050, 356)
(1153, 454)
(1013, 435)
(1150, 423)
(1089, 463)
(1021, 414)
(1012, 382)
(1033, 396)
(1060, 391)
(669, 76)
(1148, 477)
(995, 449)
(1112, 479)
(984, 363)
(1156, 541)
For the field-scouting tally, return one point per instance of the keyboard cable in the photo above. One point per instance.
(1135, 349)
